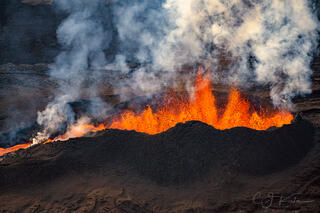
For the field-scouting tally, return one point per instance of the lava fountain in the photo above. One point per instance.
(200, 106)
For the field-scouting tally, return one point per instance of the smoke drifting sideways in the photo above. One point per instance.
(268, 42)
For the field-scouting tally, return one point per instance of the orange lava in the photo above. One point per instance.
(202, 108)
(14, 148)
(74, 132)
(77, 131)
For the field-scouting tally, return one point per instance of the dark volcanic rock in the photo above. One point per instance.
(182, 154)
(190, 150)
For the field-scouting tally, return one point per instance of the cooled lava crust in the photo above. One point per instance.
(192, 167)
(182, 154)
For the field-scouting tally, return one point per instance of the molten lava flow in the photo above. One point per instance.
(202, 108)
(14, 148)
(77, 131)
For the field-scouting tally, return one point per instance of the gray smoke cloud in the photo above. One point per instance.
(267, 43)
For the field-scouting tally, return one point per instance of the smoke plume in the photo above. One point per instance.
(267, 43)
(83, 38)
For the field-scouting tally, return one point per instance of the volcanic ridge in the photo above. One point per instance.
(184, 155)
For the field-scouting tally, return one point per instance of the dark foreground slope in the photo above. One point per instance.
(191, 167)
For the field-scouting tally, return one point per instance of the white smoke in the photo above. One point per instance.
(266, 42)
(83, 39)
(269, 42)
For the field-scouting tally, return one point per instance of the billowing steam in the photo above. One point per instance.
(266, 42)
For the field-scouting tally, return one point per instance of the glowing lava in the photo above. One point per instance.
(77, 131)
(14, 148)
(74, 132)
(201, 107)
